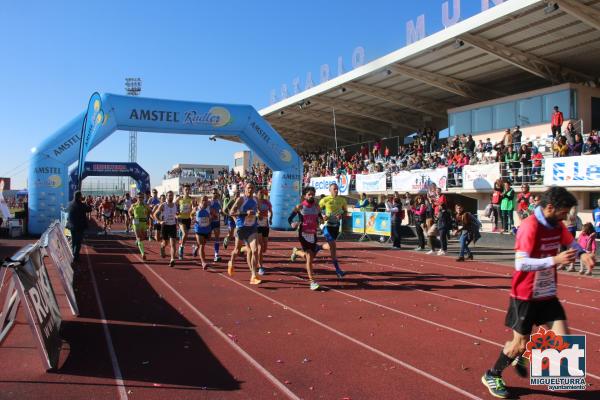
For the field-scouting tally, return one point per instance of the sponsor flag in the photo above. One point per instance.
(91, 123)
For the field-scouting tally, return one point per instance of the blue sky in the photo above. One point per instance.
(55, 54)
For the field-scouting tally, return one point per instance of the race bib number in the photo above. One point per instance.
(263, 222)
(250, 220)
(544, 284)
(309, 237)
(204, 222)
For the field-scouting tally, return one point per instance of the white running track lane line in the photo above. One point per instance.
(394, 310)
(463, 281)
(469, 270)
(449, 297)
(111, 348)
(208, 322)
(355, 341)
(472, 284)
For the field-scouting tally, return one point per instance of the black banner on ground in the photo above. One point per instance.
(10, 305)
(42, 308)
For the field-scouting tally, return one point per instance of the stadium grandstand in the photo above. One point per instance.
(505, 68)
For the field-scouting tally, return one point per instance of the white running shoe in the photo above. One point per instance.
(441, 253)
(429, 252)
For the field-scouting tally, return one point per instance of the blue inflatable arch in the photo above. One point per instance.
(49, 170)
(129, 169)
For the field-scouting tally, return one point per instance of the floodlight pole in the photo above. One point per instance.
(133, 87)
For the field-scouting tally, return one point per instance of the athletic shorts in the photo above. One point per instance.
(523, 314)
(264, 231)
(308, 241)
(206, 236)
(156, 226)
(231, 222)
(186, 222)
(215, 225)
(168, 231)
(331, 232)
(105, 216)
(139, 226)
(245, 232)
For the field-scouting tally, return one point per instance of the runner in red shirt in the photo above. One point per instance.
(533, 294)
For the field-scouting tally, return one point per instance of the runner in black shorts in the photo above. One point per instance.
(533, 294)
(166, 214)
(310, 216)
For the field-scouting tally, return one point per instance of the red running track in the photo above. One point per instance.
(401, 325)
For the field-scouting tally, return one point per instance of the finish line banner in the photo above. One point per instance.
(321, 184)
(572, 171)
(480, 176)
(419, 180)
(371, 182)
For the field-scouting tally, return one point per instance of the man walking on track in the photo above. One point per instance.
(310, 216)
(533, 298)
(77, 223)
(335, 209)
(139, 213)
(184, 217)
(166, 214)
(245, 212)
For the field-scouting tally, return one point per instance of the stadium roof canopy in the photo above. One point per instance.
(516, 46)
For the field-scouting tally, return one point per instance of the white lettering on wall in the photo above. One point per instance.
(485, 4)
(446, 20)
(415, 32)
(358, 57)
(324, 73)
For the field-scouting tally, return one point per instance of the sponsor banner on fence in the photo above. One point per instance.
(378, 223)
(61, 255)
(419, 180)
(358, 222)
(41, 302)
(322, 183)
(371, 182)
(480, 176)
(572, 171)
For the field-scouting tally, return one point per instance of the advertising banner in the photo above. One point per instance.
(4, 210)
(371, 183)
(378, 223)
(35, 288)
(321, 184)
(572, 171)
(358, 222)
(419, 180)
(60, 252)
(481, 176)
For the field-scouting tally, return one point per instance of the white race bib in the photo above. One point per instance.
(544, 284)
(263, 222)
(250, 220)
(309, 237)
(204, 222)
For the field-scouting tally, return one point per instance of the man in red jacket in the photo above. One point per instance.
(557, 121)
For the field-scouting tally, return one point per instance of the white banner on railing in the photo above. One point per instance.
(572, 171)
(480, 176)
(419, 180)
(371, 182)
(321, 184)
